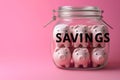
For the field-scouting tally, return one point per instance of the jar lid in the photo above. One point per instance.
(86, 8)
(87, 11)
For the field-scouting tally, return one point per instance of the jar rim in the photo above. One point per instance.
(74, 8)
(85, 11)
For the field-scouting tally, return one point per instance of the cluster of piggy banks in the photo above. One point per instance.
(79, 57)
(78, 54)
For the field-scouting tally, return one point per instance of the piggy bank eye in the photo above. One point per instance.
(85, 53)
(104, 54)
(85, 30)
(96, 54)
(65, 30)
(95, 30)
(76, 30)
(103, 30)
(66, 53)
(77, 54)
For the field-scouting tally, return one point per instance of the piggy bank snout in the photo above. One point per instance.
(101, 58)
(81, 57)
(62, 56)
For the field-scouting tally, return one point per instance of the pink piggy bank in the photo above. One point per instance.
(99, 56)
(79, 29)
(62, 29)
(81, 56)
(62, 57)
(95, 29)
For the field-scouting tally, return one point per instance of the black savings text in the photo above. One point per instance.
(99, 37)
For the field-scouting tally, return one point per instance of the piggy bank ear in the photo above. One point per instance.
(94, 50)
(103, 28)
(57, 49)
(89, 28)
(94, 26)
(85, 28)
(85, 50)
(66, 49)
(76, 26)
(75, 50)
(103, 49)
(71, 27)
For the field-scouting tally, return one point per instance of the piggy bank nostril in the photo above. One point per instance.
(81, 58)
(66, 31)
(62, 57)
(101, 58)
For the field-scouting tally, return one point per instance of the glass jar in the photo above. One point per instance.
(80, 38)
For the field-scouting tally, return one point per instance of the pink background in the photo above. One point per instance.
(25, 44)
